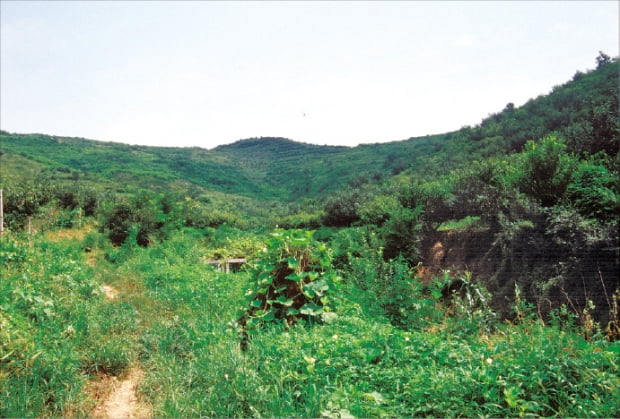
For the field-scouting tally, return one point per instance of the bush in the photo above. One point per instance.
(383, 288)
(402, 234)
(545, 170)
(142, 214)
(24, 200)
(594, 191)
(379, 209)
(342, 209)
(291, 281)
(483, 189)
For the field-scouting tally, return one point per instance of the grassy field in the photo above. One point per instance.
(175, 318)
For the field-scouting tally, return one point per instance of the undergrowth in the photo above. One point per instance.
(56, 330)
(363, 363)
(445, 356)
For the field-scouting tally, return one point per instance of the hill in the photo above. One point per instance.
(261, 168)
(582, 110)
(492, 251)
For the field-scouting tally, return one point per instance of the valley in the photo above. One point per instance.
(472, 273)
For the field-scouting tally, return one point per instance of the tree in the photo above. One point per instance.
(142, 214)
(342, 209)
(545, 170)
(599, 130)
(602, 59)
(594, 191)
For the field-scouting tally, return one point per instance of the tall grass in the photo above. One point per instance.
(177, 318)
(360, 364)
(55, 327)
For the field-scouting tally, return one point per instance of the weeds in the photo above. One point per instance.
(54, 327)
(438, 358)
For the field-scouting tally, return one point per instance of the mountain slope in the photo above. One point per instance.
(265, 168)
(583, 110)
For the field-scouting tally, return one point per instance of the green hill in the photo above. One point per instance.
(262, 168)
(582, 110)
(472, 273)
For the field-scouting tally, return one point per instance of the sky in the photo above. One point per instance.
(205, 73)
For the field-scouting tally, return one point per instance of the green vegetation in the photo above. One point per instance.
(413, 353)
(471, 273)
(291, 281)
(55, 327)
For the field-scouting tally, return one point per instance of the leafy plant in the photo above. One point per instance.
(593, 190)
(546, 170)
(291, 281)
(144, 214)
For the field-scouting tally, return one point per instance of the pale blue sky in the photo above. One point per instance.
(339, 73)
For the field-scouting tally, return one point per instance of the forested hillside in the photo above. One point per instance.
(471, 273)
(583, 111)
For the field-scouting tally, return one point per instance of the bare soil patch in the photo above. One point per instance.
(118, 398)
(110, 292)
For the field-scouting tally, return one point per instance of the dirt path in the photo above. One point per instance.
(109, 396)
(116, 396)
(122, 402)
(109, 291)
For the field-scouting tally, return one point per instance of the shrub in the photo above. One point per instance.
(342, 209)
(545, 170)
(144, 214)
(383, 288)
(402, 234)
(24, 200)
(594, 191)
(291, 280)
(379, 209)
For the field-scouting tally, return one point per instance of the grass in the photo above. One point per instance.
(56, 329)
(175, 316)
(465, 224)
(65, 234)
(359, 364)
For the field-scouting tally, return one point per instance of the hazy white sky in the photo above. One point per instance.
(339, 73)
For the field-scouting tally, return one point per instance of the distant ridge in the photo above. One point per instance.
(276, 168)
(269, 142)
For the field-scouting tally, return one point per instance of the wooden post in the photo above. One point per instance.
(1, 214)
(29, 225)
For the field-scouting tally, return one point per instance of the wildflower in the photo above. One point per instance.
(70, 330)
(489, 361)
